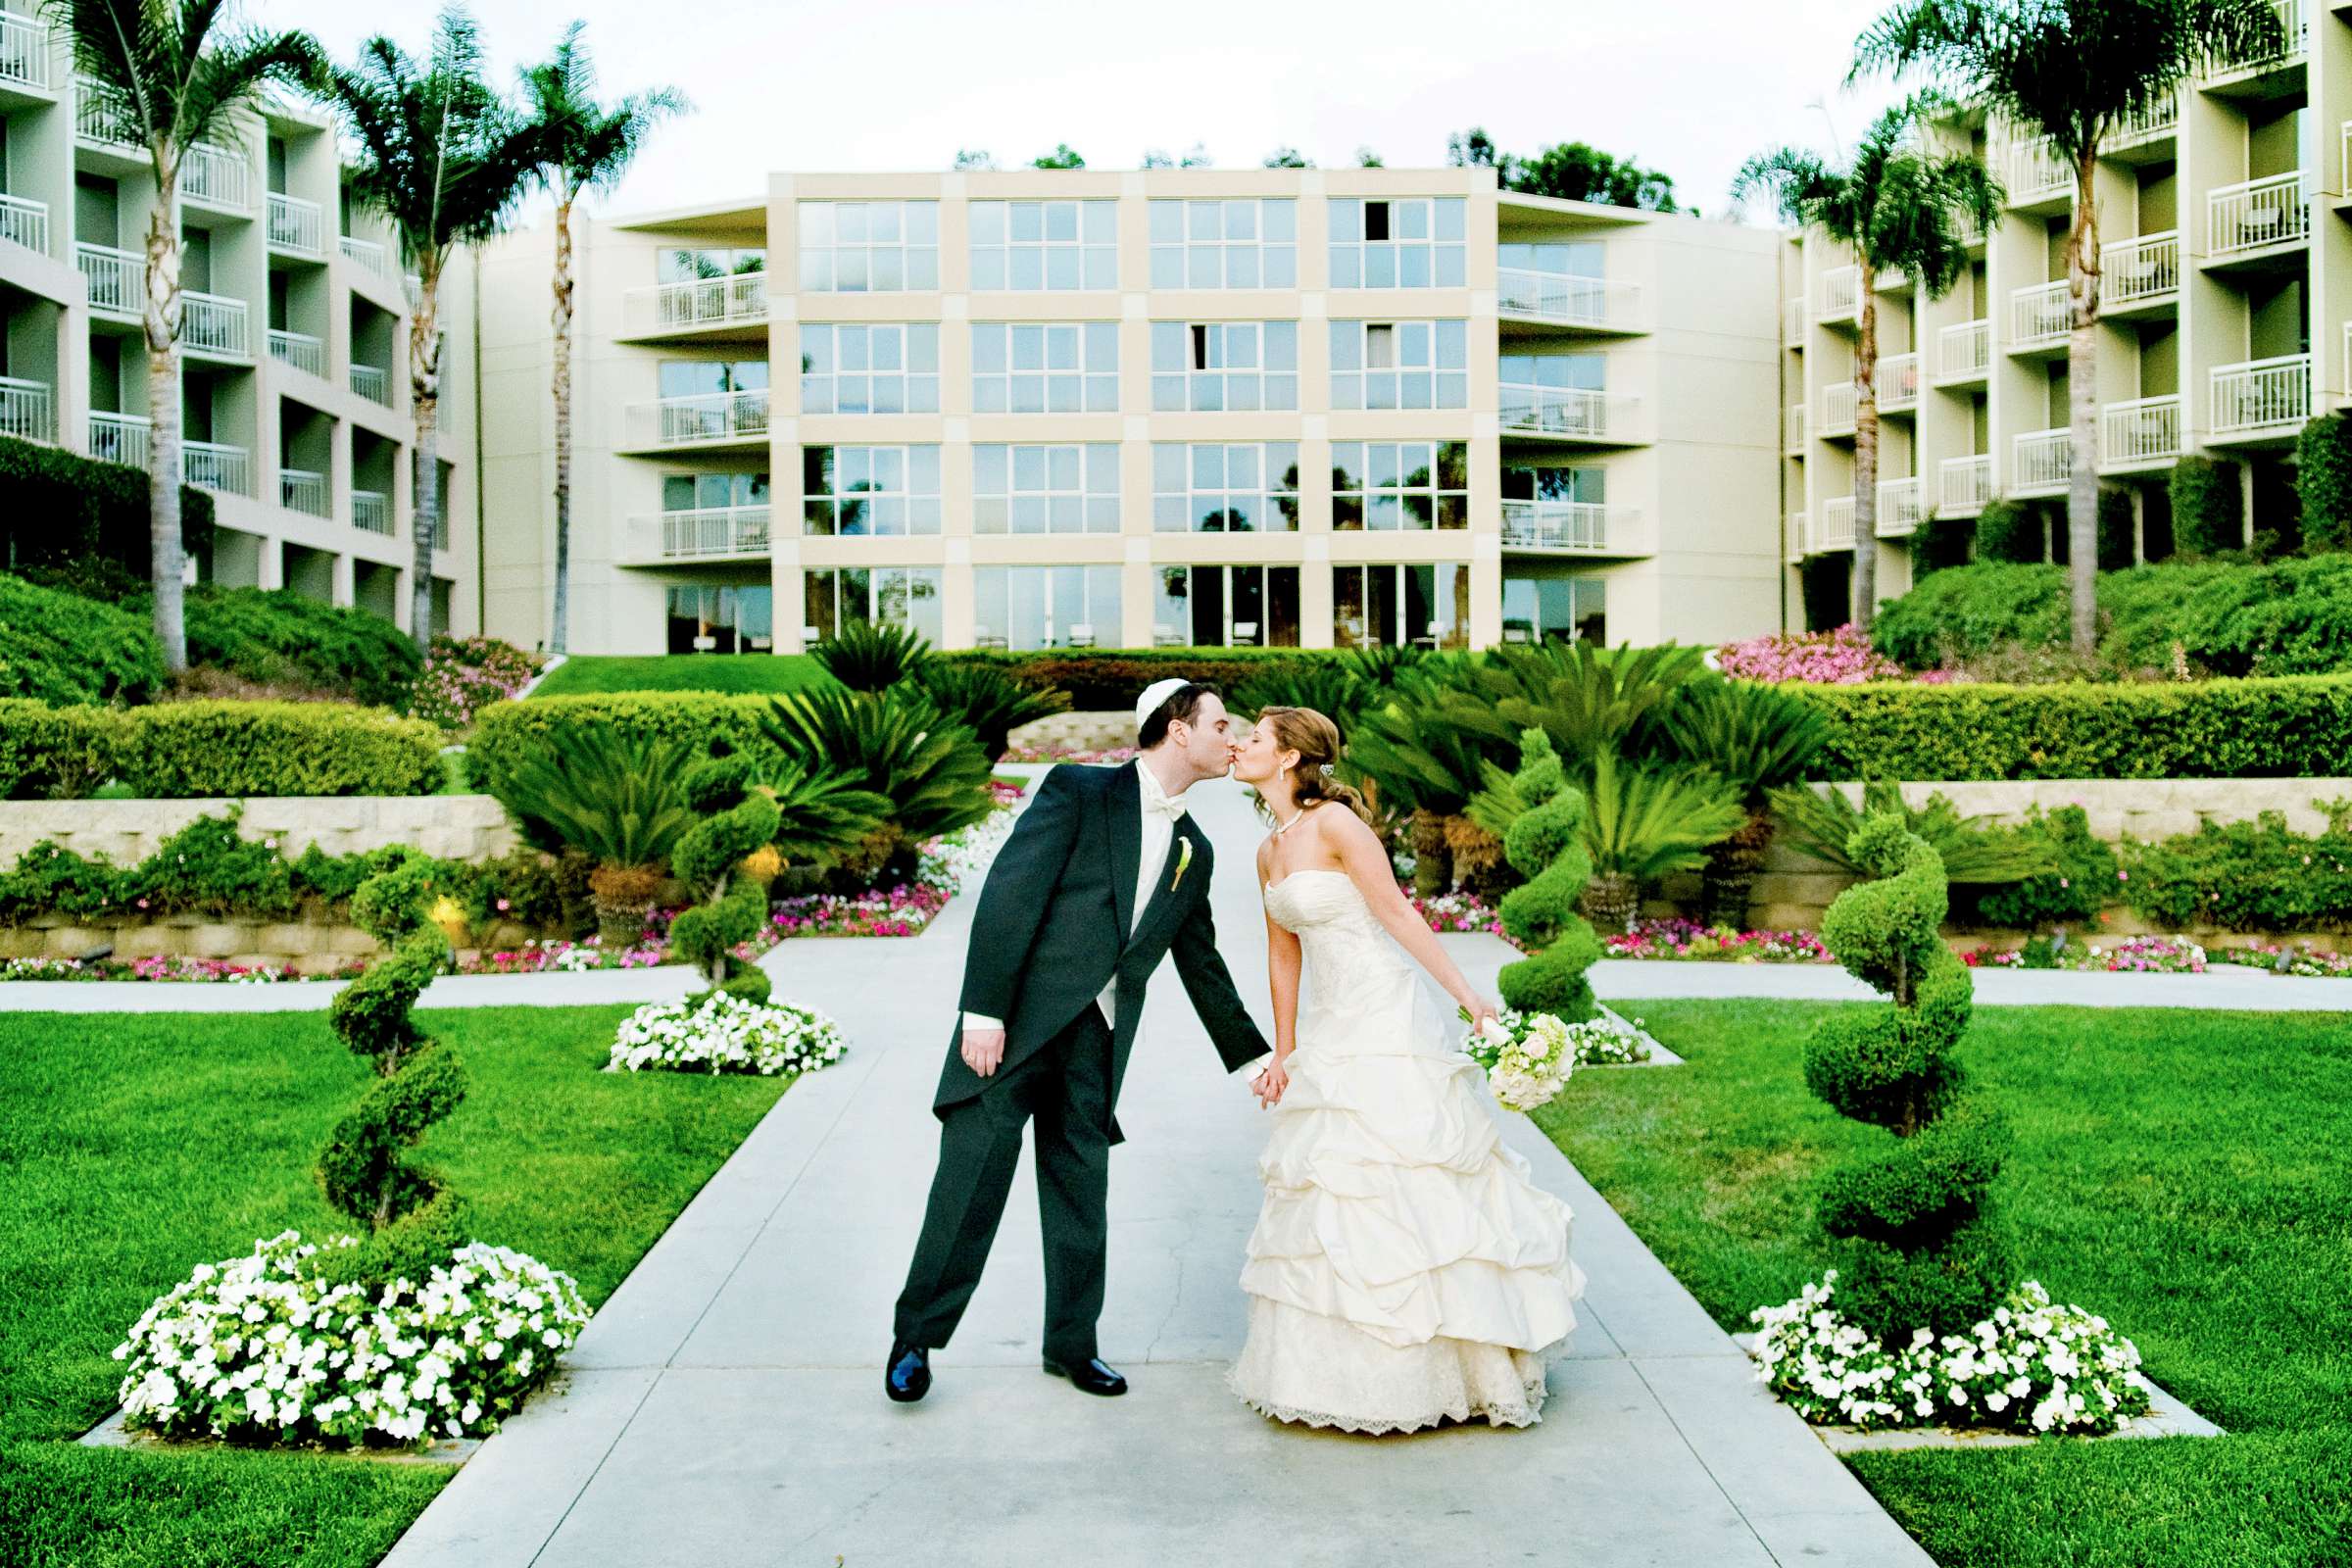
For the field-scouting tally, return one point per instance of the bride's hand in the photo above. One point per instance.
(1481, 1013)
(1269, 1085)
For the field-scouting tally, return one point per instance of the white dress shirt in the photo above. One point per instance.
(1160, 810)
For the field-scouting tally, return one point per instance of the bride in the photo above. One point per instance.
(1404, 1270)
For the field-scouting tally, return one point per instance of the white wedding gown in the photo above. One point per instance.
(1404, 1270)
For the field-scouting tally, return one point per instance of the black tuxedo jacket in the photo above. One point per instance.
(1056, 923)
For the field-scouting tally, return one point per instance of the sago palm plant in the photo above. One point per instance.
(985, 700)
(1643, 823)
(871, 658)
(1758, 738)
(893, 744)
(1972, 848)
(617, 799)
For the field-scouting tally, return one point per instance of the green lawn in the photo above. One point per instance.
(2181, 1172)
(135, 1146)
(683, 672)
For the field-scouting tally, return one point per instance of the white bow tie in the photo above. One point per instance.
(1162, 805)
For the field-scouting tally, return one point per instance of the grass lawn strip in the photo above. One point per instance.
(758, 673)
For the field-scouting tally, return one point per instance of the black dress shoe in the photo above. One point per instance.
(908, 1378)
(1090, 1375)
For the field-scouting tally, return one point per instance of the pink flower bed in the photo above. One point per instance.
(1457, 911)
(1842, 656)
(900, 912)
(1679, 939)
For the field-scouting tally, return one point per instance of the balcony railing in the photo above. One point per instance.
(2034, 170)
(366, 253)
(2257, 213)
(2294, 20)
(298, 349)
(27, 412)
(118, 438)
(24, 222)
(1574, 301)
(1796, 422)
(1964, 352)
(213, 323)
(1840, 293)
(24, 50)
(1962, 485)
(697, 302)
(1567, 525)
(1900, 507)
(1897, 382)
(100, 117)
(214, 176)
(296, 226)
(2142, 430)
(211, 465)
(1800, 536)
(2157, 120)
(704, 417)
(373, 382)
(372, 512)
(2040, 313)
(302, 490)
(1793, 314)
(715, 531)
(1837, 402)
(1565, 411)
(2261, 393)
(2044, 461)
(2142, 268)
(1837, 524)
(116, 281)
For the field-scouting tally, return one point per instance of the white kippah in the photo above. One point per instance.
(1158, 692)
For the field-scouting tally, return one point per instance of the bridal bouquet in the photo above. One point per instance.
(1527, 1056)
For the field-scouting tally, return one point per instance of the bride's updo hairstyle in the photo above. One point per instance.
(1316, 740)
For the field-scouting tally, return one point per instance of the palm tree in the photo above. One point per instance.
(1896, 205)
(587, 147)
(171, 75)
(2073, 73)
(445, 160)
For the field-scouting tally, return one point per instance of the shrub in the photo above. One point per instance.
(186, 750)
(2208, 507)
(2324, 481)
(463, 677)
(1938, 544)
(2011, 531)
(2081, 882)
(55, 754)
(1643, 823)
(61, 511)
(59, 646)
(1841, 656)
(277, 637)
(895, 744)
(987, 700)
(50, 879)
(2115, 549)
(713, 859)
(871, 657)
(1759, 738)
(1971, 610)
(2246, 876)
(207, 868)
(1110, 678)
(506, 734)
(1823, 823)
(1545, 846)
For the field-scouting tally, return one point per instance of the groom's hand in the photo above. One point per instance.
(983, 1049)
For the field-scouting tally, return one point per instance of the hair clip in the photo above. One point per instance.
(1327, 770)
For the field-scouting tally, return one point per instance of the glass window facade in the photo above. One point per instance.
(1225, 488)
(1401, 364)
(835, 598)
(1243, 243)
(708, 263)
(1555, 609)
(868, 247)
(1395, 606)
(882, 492)
(1400, 484)
(1225, 607)
(1069, 488)
(884, 368)
(1562, 394)
(1045, 606)
(1398, 242)
(1045, 367)
(1044, 245)
(722, 620)
(1214, 365)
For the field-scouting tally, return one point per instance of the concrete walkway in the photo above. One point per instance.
(726, 1408)
(2221, 987)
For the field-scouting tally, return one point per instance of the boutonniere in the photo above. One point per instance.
(1184, 862)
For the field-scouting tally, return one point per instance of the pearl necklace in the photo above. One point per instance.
(1280, 828)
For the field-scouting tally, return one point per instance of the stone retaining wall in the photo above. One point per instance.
(455, 827)
(307, 947)
(1095, 730)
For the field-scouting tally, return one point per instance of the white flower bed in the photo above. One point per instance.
(2031, 1367)
(262, 1348)
(1609, 1041)
(723, 1033)
(950, 864)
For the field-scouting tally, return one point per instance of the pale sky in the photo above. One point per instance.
(1687, 87)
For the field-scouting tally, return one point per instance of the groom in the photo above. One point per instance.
(1103, 874)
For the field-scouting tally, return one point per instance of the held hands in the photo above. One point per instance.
(983, 1049)
(1268, 1085)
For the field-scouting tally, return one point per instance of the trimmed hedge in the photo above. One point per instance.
(55, 754)
(2291, 727)
(184, 751)
(505, 733)
(62, 648)
(57, 509)
(1112, 677)
(276, 636)
(2324, 482)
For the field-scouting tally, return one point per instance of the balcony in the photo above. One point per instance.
(2033, 173)
(1795, 419)
(2141, 272)
(211, 465)
(366, 253)
(2044, 461)
(1962, 485)
(2294, 18)
(1840, 293)
(101, 119)
(1900, 507)
(1800, 539)
(296, 227)
(116, 281)
(2261, 396)
(1579, 413)
(703, 419)
(216, 176)
(24, 222)
(2040, 316)
(302, 490)
(1897, 383)
(25, 410)
(1964, 353)
(703, 531)
(373, 382)
(1571, 527)
(118, 438)
(740, 299)
(372, 512)
(2143, 433)
(1565, 301)
(1837, 404)
(213, 324)
(1837, 531)
(302, 351)
(24, 50)
(2158, 121)
(1793, 314)
(2256, 214)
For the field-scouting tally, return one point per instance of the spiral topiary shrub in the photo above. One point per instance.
(1919, 1244)
(1546, 844)
(738, 818)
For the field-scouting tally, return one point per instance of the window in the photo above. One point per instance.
(1045, 489)
(1222, 487)
(1225, 607)
(1024, 369)
(713, 514)
(1402, 242)
(690, 378)
(1214, 365)
(868, 247)
(1045, 606)
(1550, 278)
(1392, 606)
(883, 368)
(1399, 365)
(1552, 610)
(1559, 394)
(1400, 484)
(696, 266)
(726, 620)
(1247, 243)
(1044, 245)
(704, 492)
(1559, 507)
(886, 492)
(835, 598)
